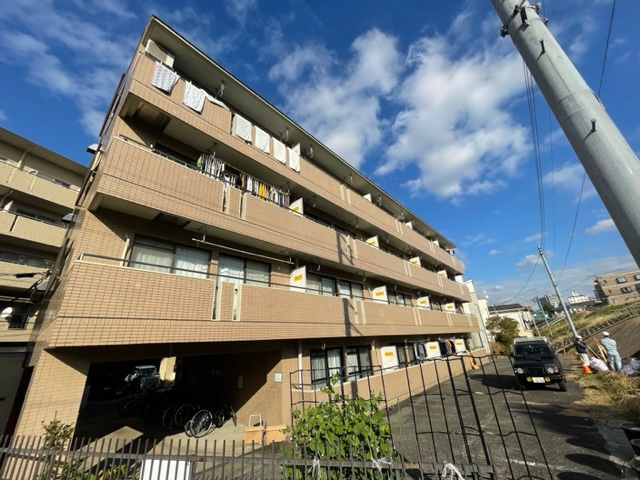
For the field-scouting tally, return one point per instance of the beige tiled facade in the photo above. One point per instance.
(147, 192)
(618, 288)
(37, 189)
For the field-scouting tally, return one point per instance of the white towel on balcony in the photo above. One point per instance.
(262, 140)
(193, 97)
(294, 160)
(243, 128)
(279, 151)
(164, 78)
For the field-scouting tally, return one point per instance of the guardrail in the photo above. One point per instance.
(626, 313)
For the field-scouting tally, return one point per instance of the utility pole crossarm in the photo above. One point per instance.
(610, 163)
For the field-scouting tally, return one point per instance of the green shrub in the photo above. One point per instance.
(342, 428)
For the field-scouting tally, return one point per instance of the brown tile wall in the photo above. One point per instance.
(311, 176)
(55, 392)
(160, 184)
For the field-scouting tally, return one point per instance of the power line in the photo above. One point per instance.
(584, 174)
(606, 46)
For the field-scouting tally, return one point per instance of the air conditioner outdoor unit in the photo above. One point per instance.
(159, 53)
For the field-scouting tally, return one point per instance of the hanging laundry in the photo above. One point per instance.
(294, 160)
(262, 140)
(164, 78)
(243, 128)
(215, 101)
(193, 97)
(279, 151)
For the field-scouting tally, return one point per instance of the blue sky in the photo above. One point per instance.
(424, 98)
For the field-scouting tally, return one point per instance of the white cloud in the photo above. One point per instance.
(476, 240)
(239, 9)
(569, 178)
(455, 125)
(536, 237)
(340, 104)
(601, 226)
(495, 252)
(528, 260)
(120, 8)
(88, 60)
(3, 116)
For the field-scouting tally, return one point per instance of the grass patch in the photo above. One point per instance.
(611, 395)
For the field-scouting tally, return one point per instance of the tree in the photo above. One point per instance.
(504, 330)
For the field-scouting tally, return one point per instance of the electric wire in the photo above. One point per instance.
(584, 174)
(529, 82)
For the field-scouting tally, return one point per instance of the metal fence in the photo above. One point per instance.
(456, 418)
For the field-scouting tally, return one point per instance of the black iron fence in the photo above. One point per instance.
(456, 418)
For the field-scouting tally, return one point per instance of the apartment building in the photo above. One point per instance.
(617, 288)
(38, 189)
(216, 236)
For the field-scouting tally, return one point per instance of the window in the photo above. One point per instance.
(344, 231)
(324, 364)
(37, 216)
(621, 280)
(22, 259)
(349, 289)
(358, 362)
(625, 289)
(161, 256)
(636, 277)
(18, 322)
(400, 298)
(402, 355)
(241, 270)
(321, 285)
(318, 219)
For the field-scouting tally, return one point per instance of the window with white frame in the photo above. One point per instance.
(358, 362)
(321, 284)
(626, 290)
(325, 362)
(168, 257)
(621, 280)
(242, 270)
(349, 289)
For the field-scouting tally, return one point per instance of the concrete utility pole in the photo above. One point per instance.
(611, 164)
(555, 287)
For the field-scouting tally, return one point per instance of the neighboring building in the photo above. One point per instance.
(521, 314)
(552, 300)
(577, 298)
(215, 235)
(478, 307)
(38, 188)
(618, 288)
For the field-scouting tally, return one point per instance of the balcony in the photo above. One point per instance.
(9, 270)
(160, 185)
(25, 229)
(214, 124)
(38, 185)
(107, 304)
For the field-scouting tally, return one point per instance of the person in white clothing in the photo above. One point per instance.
(611, 347)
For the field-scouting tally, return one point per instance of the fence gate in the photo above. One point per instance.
(456, 413)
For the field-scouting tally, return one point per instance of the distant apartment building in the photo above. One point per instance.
(576, 298)
(552, 300)
(618, 288)
(38, 189)
(521, 314)
(215, 235)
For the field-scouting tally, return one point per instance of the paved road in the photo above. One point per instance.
(488, 421)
